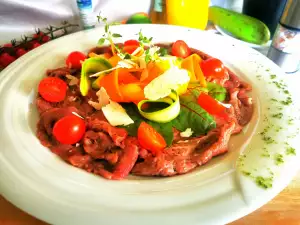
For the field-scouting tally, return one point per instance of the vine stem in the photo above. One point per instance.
(27, 39)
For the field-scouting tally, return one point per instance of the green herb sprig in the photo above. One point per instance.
(108, 35)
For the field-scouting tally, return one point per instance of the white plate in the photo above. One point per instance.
(252, 45)
(37, 181)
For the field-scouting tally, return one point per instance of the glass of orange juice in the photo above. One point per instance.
(189, 13)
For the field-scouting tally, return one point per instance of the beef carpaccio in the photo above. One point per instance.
(113, 151)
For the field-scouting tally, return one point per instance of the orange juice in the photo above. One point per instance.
(189, 13)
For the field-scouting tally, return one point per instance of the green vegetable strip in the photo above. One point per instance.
(162, 115)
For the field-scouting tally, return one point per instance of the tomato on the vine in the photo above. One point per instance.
(6, 59)
(45, 38)
(35, 44)
(69, 129)
(213, 67)
(150, 139)
(8, 45)
(75, 59)
(52, 89)
(180, 49)
(20, 52)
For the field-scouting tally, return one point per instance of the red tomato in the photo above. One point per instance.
(45, 38)
(210, 105)
(75, 59)
(6, 59)
(7, 45)
(213, 68)
(40, 34)
(180, 49)
(131, 43)
(52, 89)
(35, 44)
(69, 129)
(130, 49)
(130, 46)
(20, 52)
(150, 139)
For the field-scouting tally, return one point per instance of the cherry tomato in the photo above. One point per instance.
(212, 106)
(45, 38)
(69, 129)
(20, 52)
(213, 68)
(6, 59)
(39, 34)
(130, 46)
(8, 45)
(52, 89)
(180, 49)
(150, 139)
(130, 49)
(75, 59)
(131, 43)
(35, 44)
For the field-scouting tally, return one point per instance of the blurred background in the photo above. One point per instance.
(251, 22)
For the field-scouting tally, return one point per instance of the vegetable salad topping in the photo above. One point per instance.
(141, 108)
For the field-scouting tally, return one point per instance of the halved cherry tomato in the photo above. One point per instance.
(150, 139)
(69, 129)
(131, 43)
(130, 49)
(130, 46)
(52, 89)
(213, 68)
(180, 49)
(75, 59)
(212, 106)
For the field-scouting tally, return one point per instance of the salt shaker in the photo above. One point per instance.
(285, 47)
(85, 8)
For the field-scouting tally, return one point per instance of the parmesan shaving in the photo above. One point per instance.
(187, 133)
(116, 114)
(103, 99)
(73, 80)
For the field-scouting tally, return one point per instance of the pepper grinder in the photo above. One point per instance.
(285, 47)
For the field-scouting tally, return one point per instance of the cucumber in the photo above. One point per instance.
(241, 26)
(91, 66)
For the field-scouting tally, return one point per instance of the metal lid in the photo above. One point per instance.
(291, 14)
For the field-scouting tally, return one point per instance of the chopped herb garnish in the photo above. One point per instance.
(278, 159)
(277, 115)
(274, 100)
(288, 101)
(273, 76)
(290, 151)
(264, 182)
(246, 173)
